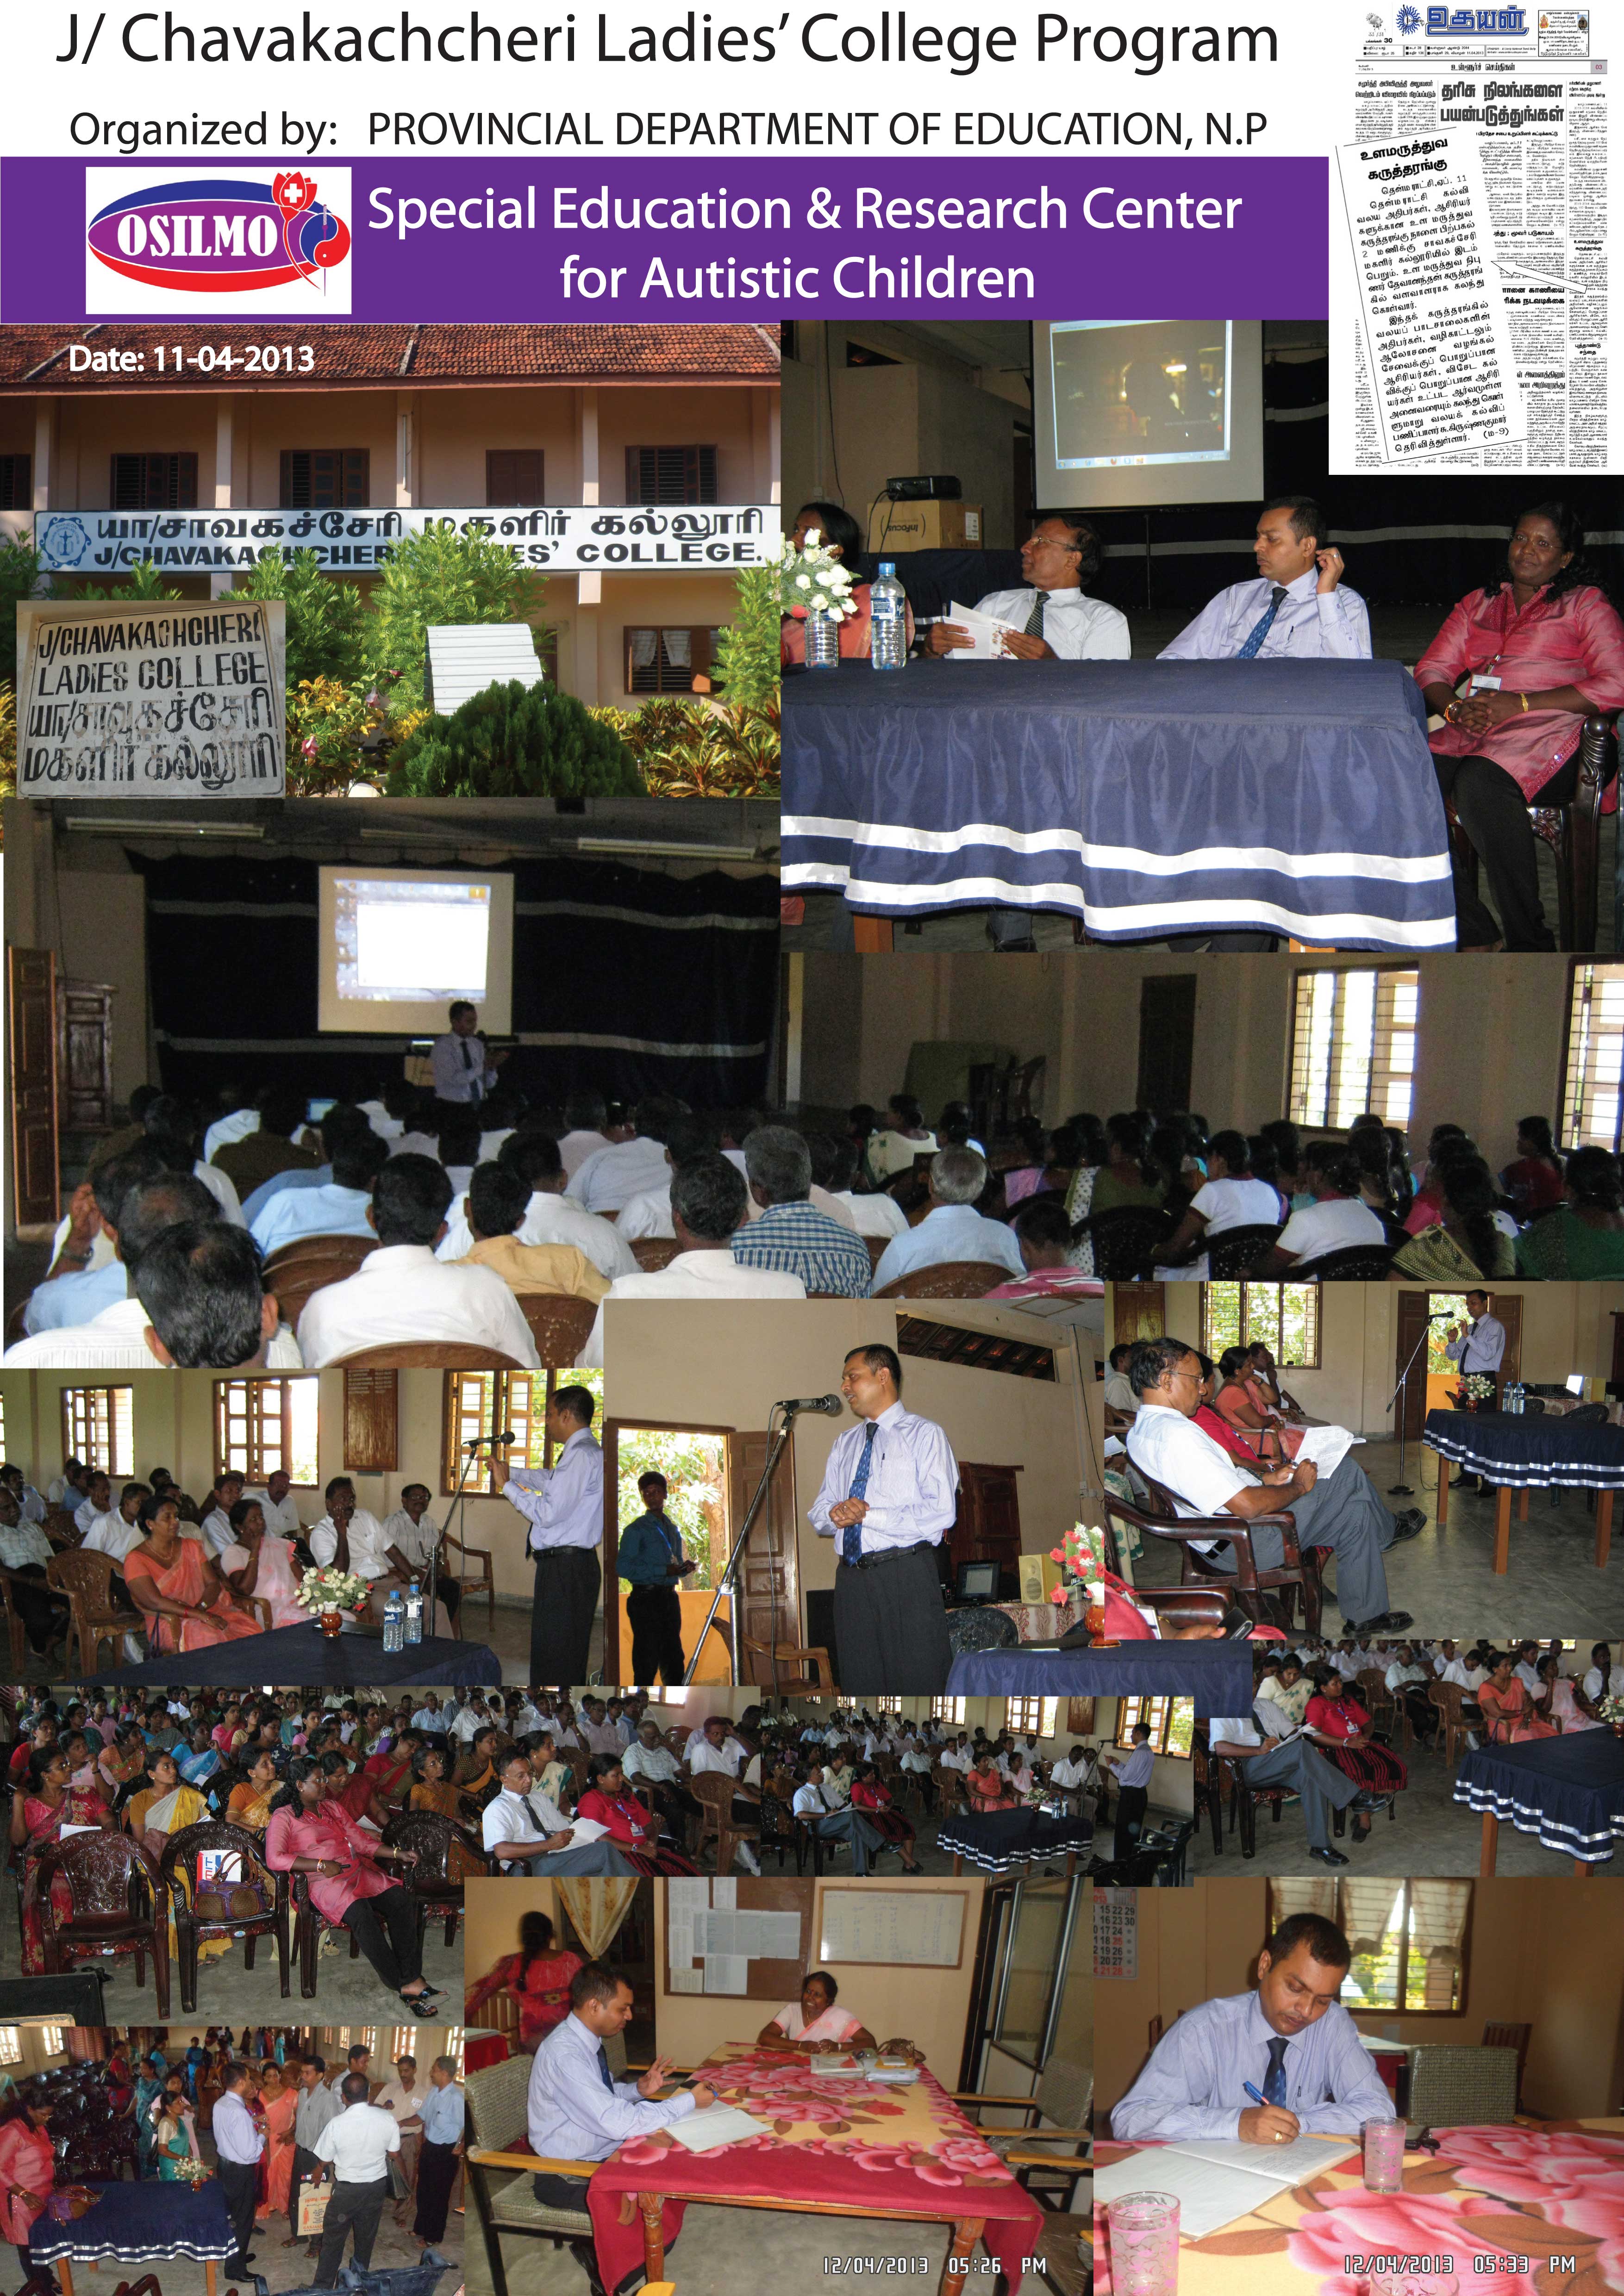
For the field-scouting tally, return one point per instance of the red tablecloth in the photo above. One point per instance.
(482, 2049)
(838, 2140)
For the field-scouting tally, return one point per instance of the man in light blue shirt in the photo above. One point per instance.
(1291, 2039)
(238, 2144)
(576, 2110)
(441, 2114)
(1297, 606)
(563, 1505)
(338, 1208)
(952, 1228)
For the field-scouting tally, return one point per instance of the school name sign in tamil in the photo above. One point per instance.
(150, 700)
(573, 539)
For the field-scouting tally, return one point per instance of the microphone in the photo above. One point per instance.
(481, 1441)
(1449, 1316)
(829, 1405)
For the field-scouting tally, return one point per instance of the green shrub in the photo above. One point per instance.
(515, 741)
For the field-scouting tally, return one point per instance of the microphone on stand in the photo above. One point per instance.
(829, 1405)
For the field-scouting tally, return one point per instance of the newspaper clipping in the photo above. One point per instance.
(1470, 284)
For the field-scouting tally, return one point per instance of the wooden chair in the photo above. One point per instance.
(471, 1582)
(12, 1622)
(179, 1868)
(876, 1248)
(718, 1821)
(810, 1670)
(653, 1252)
(501, 2168)
(1572, 830)
(119, 1905)
(1267, 1596)
(298, 1269)
(83, 1578)
(560, 1327)
(427, 1355)
(948, 1279)
(447, 1853)
(1508, 2036)
(308, 1923)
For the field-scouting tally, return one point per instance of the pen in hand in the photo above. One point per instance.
(1256, 2095)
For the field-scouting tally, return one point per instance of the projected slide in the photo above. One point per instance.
(1152, 391)
(398, 946)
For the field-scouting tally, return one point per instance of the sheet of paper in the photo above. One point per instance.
(725, 1893)
(723, 2124)
(758, 1936)
(986, 629)
(586, 1829)
(1326, 1447)
(1286, 2164)
(687, 1981)
(690, 1897)
(726, 1973)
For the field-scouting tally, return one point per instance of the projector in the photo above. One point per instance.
(937, 489)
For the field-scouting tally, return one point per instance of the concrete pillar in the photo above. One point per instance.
(590, 496)
(406, 449)
(45, 432)
(774, 462)
(219, 584)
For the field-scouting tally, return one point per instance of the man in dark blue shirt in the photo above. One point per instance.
(652, 1557)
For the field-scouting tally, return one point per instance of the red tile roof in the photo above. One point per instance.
(35, 359)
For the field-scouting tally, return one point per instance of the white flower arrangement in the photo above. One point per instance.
(813, 579)
(332, 1590)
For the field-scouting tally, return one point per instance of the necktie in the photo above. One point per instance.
(1260, 628)
(607, 2077)
(1274, 2080)
(851, 1538)
(1034, 620)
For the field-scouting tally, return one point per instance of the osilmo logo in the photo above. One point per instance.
(263, 239)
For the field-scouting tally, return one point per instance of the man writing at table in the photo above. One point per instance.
(1054, 621)
(575, 2108)
(1290, 2040)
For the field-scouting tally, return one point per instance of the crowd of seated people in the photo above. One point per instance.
(1337, 1722)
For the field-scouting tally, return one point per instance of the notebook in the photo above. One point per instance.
(1214, 2182)
(719, 2124)
(896, 2073)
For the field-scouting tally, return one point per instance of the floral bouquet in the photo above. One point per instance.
(333, 1590)
(1610, 1711)
(813, 581)
(1081, 1555)
(1474, 1393)
(192, 2170)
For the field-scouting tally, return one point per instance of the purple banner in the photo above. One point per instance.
(603, 237)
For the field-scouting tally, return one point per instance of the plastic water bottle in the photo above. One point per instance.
(394, 1621)
(1515, 1395)
(414, 1614)
(888, 638)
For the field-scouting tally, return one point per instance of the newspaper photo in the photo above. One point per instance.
(1469, 245)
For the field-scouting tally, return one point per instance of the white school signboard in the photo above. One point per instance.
(160, 698)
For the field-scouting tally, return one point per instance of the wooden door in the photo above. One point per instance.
(768, 1577)
(1414, 1307)
(1167, 1039)
(85, 1032)
(1140, 1312)
(31, 1010)
(987, 1527)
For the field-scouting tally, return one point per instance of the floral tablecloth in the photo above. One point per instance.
(1529, 2211)
(838, 2141)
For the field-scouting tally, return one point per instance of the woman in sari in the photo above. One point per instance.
(201, 1759)
(814, 2023)
(149, 2089)
(175, 2131)
(1564, 1701)
(1508, 1711)
(225, 1732)
(249, 1804)
(1339, 1725)
(1533, 1180)
(556, 1779)
(609, 1802)
(476, 1772)
(185, 1603)
(1237, 1397)
(261, 1564)
(48, 1803)
(987, 1787)
(1584, 1242)
(872, 1797)
(1469, 1244)
(433, 1789)
(162, 1808)
(28, 2173)
(280, 2099)
(535, 1978)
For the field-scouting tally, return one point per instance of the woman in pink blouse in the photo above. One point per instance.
(309, 1833)
(1514, 672)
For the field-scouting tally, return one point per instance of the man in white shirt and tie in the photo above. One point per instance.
(1133, 1780)
(839, 1824)
(238, 2145)
(464, 1072)
(889, 1492)
(563, 1505)
(354, 2145)
(526, 1833)
(1055, 621)
(1476, 1348)
(575, 2109)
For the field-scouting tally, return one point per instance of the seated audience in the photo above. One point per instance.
(952, 1229)
(1534, 1179)
(708, 1210)
(1335, 1219)
(1229, 1197)
(258, 1156)
(1583, 1241)
(634, 1161)
(498, 1201)
(893, 1145)
(551, 1216)
(1043, 1231)
(339, 1208)
(792, 1235)
(1468, 1242)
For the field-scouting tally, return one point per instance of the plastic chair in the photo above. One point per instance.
(1574, 831)
(308, 1923)
(179, 1868)
(948, 1279)
(432, 1884)
(1237, 1250)
(1125, 1241)
(83, 1578)
(120, 1905)
(820, 1678)
(1359, 1263)
(718, 1821)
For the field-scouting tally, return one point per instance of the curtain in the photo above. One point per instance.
(596, 1910)
(679, 647)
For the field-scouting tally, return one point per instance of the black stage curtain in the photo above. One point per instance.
(1417, 540)
(624, 979)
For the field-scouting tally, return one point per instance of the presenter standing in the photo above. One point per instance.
(464, 1070)
(563, 1505)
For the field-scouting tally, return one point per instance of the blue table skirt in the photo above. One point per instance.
(1217, 1676)
(1569, 1792)
(1529, 1453)
(141, 2223)
(1003, 1840)
(304, 1654)
(1146, 798)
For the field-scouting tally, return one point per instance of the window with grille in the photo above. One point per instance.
(671, 474)
(1409, 1940)
(947, 1709)
(10, 2046)
(1036, 1714)
(1353, 1045)
(1170, 1721)
(98, 1427)
(16, 482)
(266, 1427)
(154, 482)
(516, 475)
(52, 2042)
(1591, 1101)
(326, 478)
(667, 660)
(478, 1403)
(1285, 1316)
(883, 1705)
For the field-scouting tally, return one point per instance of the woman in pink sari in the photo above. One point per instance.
(310, 1835)
(1507, 1709)
(40, 1810)
(185, 1603)
(28, 2173)
(260, 1562)
(280, 2100)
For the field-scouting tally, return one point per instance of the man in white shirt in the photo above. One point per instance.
(217, 1532)
(411, 1537)
(1297, 606)
(1070, 1777)
(349, 1537)
(709, 1197)
(1229, 1197)
(1120, 1396)
(1299, 1766)
(587, 1129)
(402, 1292)
(612, 1175)
(469, 1720)
(526, 1832)
(1602, 1679)
(842, 1825)
(117, 1531)
(956, 1757)
(464, 1071)
(550, 1216)
(888, 1493)
(952, 1228)
(1527, 1669)
(563, 1505)
(834, 1164)
(403, 2095)
(355, 2144)
(713, 1749)
(1340, 1511)
(97, 1499)
(652, 1763)
(281, 1515)
(1408, 1678)
(599, 1731)
(576, 2110)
